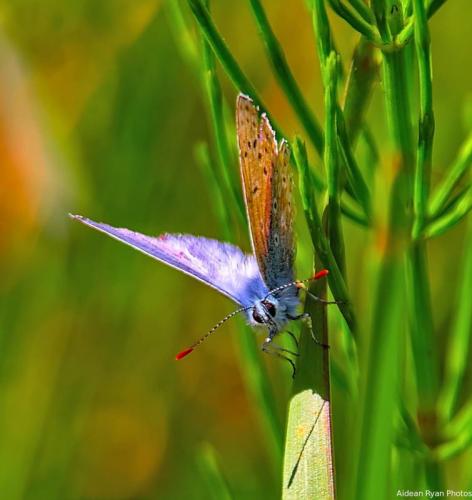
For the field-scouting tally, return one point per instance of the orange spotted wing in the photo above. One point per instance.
(267, 185)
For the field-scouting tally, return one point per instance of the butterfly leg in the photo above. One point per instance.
(324, 301)
(295, 341)
(319, 299)
(275, 350)
(305, 317)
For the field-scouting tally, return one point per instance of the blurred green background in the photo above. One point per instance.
(99, 115)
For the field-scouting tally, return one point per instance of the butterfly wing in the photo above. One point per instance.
(220, 265)
(267, 184)
(281, 255)
(257, 154)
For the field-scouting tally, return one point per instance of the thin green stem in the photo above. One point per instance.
(224, 55)
(186, 43)
(320, 243)
(285, 77)
(426, 120)
(450, 218)
(356, 20)
(384, 359)
(421, 318)
(363, 10)
(202, 156)
(459, 339)
(456, 173)
(331, 162)
(460, 422)
(329, 63)
(434, 6)
(215, 101)
(354, 215)
(217, 485)
(308, 460)
(354, 174)
(322, 31)
(455, 446)
(363, 73)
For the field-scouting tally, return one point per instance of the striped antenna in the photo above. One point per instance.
(299, 283)
(187, 351)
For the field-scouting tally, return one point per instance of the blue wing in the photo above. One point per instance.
(220, 265)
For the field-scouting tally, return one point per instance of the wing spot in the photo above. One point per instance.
(245, 154)
(259, 156)
(249, 144)
(284, 179)
(255, 189)
(265, 171)
(254, 143)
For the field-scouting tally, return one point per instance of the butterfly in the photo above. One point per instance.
(262, 283)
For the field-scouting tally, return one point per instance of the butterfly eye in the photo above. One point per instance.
(270, 308)
(257, 317)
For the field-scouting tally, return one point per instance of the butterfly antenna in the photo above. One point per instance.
(300, 283)
(187, 351)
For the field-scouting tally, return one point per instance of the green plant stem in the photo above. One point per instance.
(363, 73)
(421, 309)
(458, 433)
(224, 55)
(452, 217)
(363, 10)
(320, 243)
(461, 422)
(459, 339)
(353, 215)
(323, 35)
(329, 63)
(434, 6)
(218, 488)
(377, 432)
(426, 121)
(356, 20)
(331, 162)
(402, 38)
(456, 173)
(285, 77)
(202, 156)
(378, 406)
(215, 101)
(185, 41)
(384, 360)
(421, 320)
(308, 461)
(354, 96)
(353, 172)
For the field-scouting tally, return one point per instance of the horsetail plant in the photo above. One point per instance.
(414, 417)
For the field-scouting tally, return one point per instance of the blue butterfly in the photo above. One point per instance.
(262, 284)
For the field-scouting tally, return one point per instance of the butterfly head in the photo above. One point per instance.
(264, 311)
(274, 311)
